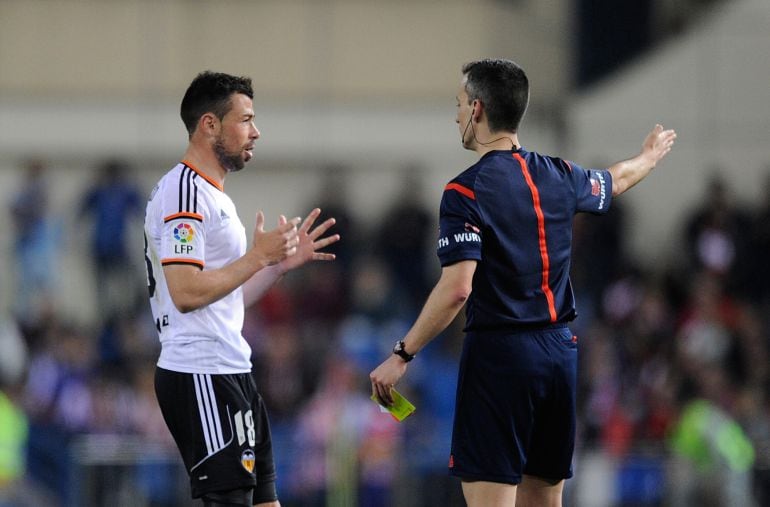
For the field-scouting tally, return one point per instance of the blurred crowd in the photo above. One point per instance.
(674, 385)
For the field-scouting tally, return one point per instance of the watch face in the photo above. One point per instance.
(398, 349)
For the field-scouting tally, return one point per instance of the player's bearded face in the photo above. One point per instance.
(232, 161)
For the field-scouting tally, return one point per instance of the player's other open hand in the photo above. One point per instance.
(310, 241)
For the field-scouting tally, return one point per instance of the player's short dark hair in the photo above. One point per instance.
(210, 92)
(503, 88)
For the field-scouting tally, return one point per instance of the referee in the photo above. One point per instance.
(504, 245)
(201, 274)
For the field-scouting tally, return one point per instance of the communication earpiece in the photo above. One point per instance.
(470, 119)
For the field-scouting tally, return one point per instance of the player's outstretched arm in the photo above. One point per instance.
(629, 172)
(191, 289)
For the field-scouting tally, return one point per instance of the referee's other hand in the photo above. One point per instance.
(385, 377)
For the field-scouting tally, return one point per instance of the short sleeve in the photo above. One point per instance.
(183, 239)
(593, 189)
(460, 226)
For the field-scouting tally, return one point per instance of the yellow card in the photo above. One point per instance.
(401, 408)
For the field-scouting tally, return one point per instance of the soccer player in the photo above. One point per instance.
(201, 275)
(504, 246)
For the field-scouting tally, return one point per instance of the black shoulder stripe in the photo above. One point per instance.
(189, 179)
(181, 187)
(195, 190)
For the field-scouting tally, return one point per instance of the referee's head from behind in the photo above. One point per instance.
(502, 87)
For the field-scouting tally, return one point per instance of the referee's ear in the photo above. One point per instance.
(476, 110)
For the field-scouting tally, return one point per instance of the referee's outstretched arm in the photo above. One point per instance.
(627, 173)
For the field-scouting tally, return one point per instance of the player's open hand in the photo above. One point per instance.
(658, 143)
(309, 242)
(276, 245)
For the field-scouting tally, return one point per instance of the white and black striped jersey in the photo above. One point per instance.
(190, 220)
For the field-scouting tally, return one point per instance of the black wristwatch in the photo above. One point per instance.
(398, 349)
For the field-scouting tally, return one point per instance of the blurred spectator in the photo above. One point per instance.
(34, 246)
(707, 327)
(279, 370)
(112, 202)
(379, 313)
(717, 454)
(145, 416)
(14, 428)
(432, 387)
(322, 298)
(123, 339)
(753, 414)
(758, 284)
(598, 257)
(406, 239)
(58, 388)
(13, 440)
(15, 489)
(650, 349)
(599, 384)
(349, 448)
(322, 291)
(334, 202)
(717, 234)
(14, 359)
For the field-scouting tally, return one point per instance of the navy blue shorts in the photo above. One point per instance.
(515, 408)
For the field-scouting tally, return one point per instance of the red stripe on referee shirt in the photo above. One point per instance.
(467, 192)
(541, 236)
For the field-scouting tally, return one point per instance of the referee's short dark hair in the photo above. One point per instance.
(210, 92)
(503, 88)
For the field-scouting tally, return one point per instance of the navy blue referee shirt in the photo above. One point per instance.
(512, 212)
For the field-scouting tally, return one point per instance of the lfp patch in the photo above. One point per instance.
(184, 233)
